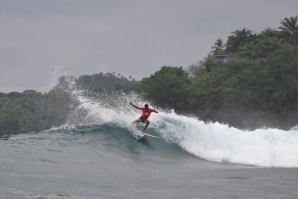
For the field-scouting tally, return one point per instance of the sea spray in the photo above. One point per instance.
(209, 141)
(102, 108)
(221, 143)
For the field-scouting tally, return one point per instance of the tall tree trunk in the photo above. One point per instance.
(2, 127)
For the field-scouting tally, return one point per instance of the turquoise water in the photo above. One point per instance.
(211, 141)
(94, 155)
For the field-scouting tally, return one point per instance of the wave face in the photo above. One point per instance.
(94, 155)
(212, 141)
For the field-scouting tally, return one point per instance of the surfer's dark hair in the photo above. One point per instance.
(146, 105)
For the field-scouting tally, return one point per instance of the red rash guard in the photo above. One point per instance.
(146, 113)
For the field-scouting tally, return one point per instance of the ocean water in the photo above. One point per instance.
(94, 155)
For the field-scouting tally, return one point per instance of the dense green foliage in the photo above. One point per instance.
(167, 87)
(32, 111)
(108, 78)
(263, 84)
(263, 75)
(106, 83)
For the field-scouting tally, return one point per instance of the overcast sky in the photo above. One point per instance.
(43, 39)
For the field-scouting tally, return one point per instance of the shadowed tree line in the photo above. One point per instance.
(263, 76)
(33, 111)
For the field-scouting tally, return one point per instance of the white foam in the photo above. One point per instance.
(212, 141)
(221, 143)
(112, 108)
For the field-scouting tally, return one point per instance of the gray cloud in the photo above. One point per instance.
(129, 37)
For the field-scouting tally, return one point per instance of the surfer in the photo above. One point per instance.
(146, 113)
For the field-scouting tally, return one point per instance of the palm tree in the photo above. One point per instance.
(208, 62)
(238, 38)
(289, 28)
(250, 50)
(260, 48)
(268, 32)
(269, 45)
(219, 47)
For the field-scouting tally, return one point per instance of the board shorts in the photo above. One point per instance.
(142, 120)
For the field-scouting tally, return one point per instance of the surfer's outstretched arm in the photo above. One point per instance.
(130, 103)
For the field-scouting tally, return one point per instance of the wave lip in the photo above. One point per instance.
(211, 141)
(220, 143)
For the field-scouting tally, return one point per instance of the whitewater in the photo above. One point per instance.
(94, 155)
(212, 141)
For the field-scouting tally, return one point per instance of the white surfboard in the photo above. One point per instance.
(136, 135)
(144, 134)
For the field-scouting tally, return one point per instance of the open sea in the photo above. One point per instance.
(94, 155)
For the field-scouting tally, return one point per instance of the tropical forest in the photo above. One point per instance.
(249, 80)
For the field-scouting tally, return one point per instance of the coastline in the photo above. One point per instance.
(250, 119)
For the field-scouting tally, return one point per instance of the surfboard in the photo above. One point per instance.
(136, 135)
(146, 134)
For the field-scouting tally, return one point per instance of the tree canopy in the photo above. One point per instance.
(262, 76)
